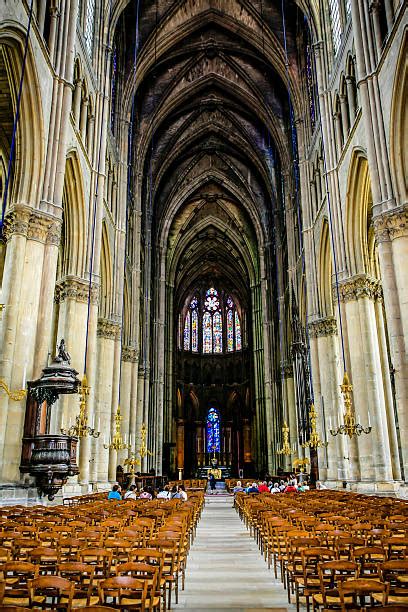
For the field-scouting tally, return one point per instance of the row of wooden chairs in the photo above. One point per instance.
(122, 554)
(321, 541)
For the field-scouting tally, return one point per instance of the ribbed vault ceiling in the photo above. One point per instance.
(211, 130)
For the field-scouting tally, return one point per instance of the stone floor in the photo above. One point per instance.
(225, 569)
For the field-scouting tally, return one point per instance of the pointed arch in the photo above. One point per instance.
(105, 296)
(358, 213)
(74, 230)
(399, 124)
(325, 272)
(29, 151)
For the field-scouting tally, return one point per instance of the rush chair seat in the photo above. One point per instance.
(51, 592)
(15, 576)
(331, 574)
(359, 590)
(309, 582)
(81, 574)
(124, 592)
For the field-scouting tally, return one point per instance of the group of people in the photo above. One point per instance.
(290, 485)
(167, 492)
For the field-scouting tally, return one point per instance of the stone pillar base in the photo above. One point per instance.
(13, 494)
(391, 487)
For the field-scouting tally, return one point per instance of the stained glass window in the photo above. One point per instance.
(89, 26)
(213, 431)
(238, 339)
(335, 24)
(207, 333)
(212, 302)
(113, 86)
(217, 330)
(187, 332)
(230, 331)
(194, 331)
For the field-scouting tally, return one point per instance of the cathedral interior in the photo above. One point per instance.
(204, 241)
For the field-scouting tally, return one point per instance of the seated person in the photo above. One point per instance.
(253, 488)
(291, 487)
(182, 492)
(238, 487)
(144, 494)
(164, 493)
(115, 493)
(275, 488)
(130, 493)
(263, 487)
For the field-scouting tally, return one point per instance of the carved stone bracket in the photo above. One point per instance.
(287, 369)
(391, 224)
(360, 286)
(76, 289)
(323, 327)
(130, 354)
(33, 224)
(108, 329)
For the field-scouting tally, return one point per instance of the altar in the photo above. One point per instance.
(223, 472)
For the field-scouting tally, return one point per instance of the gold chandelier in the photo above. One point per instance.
(117, 442)
(285, 450)
(314, 441)
(349, 427)
(81, 428)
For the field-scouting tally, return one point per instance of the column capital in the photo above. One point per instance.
(287, 367)
(130, 354)
(33, 224)
(391, 224)
(326, 326)
(108, 329)
(360, 286)
(77, 289)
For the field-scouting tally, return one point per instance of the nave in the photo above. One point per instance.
(225, 568)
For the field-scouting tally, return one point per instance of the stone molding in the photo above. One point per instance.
(391, 224)
(360, 286)
(108, 329)
(33, 225)
(76, 289)
(130, 354)
(287, 369)
(323, 327)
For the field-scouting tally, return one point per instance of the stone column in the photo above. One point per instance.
(344, 115)
(330, 404)
(359, 294)
(392, 238)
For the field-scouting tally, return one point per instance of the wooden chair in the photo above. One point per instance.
(395, 573)
(358, 590)
(124, 592)
(50, 592)
(99, 558)
(16, 575)
(144, 571)
(309, 582)
(331, 574)
(81, 575)
(45, 558)
(368, 558)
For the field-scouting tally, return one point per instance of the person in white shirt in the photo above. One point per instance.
(164, 493)
(130, 493)
(275, 488)
(182, 493)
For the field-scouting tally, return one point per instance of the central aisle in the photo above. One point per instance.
(225, 569)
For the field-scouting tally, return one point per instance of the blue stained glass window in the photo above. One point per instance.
(230, 331)
(194, 331)
(217, 328)
(187, 332)
(207, 333)
(213, 431)
(238, 339)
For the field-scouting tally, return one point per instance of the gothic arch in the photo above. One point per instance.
(74, 220)
(358, 213)
(106, 282)
(29, 151)
(399, 124)
(325, 272)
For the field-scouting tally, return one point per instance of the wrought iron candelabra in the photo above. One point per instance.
(349, 427)
(285, 450)
(314, 441)
(117, 442)
(81, 429)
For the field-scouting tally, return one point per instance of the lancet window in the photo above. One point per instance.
(213, 431)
